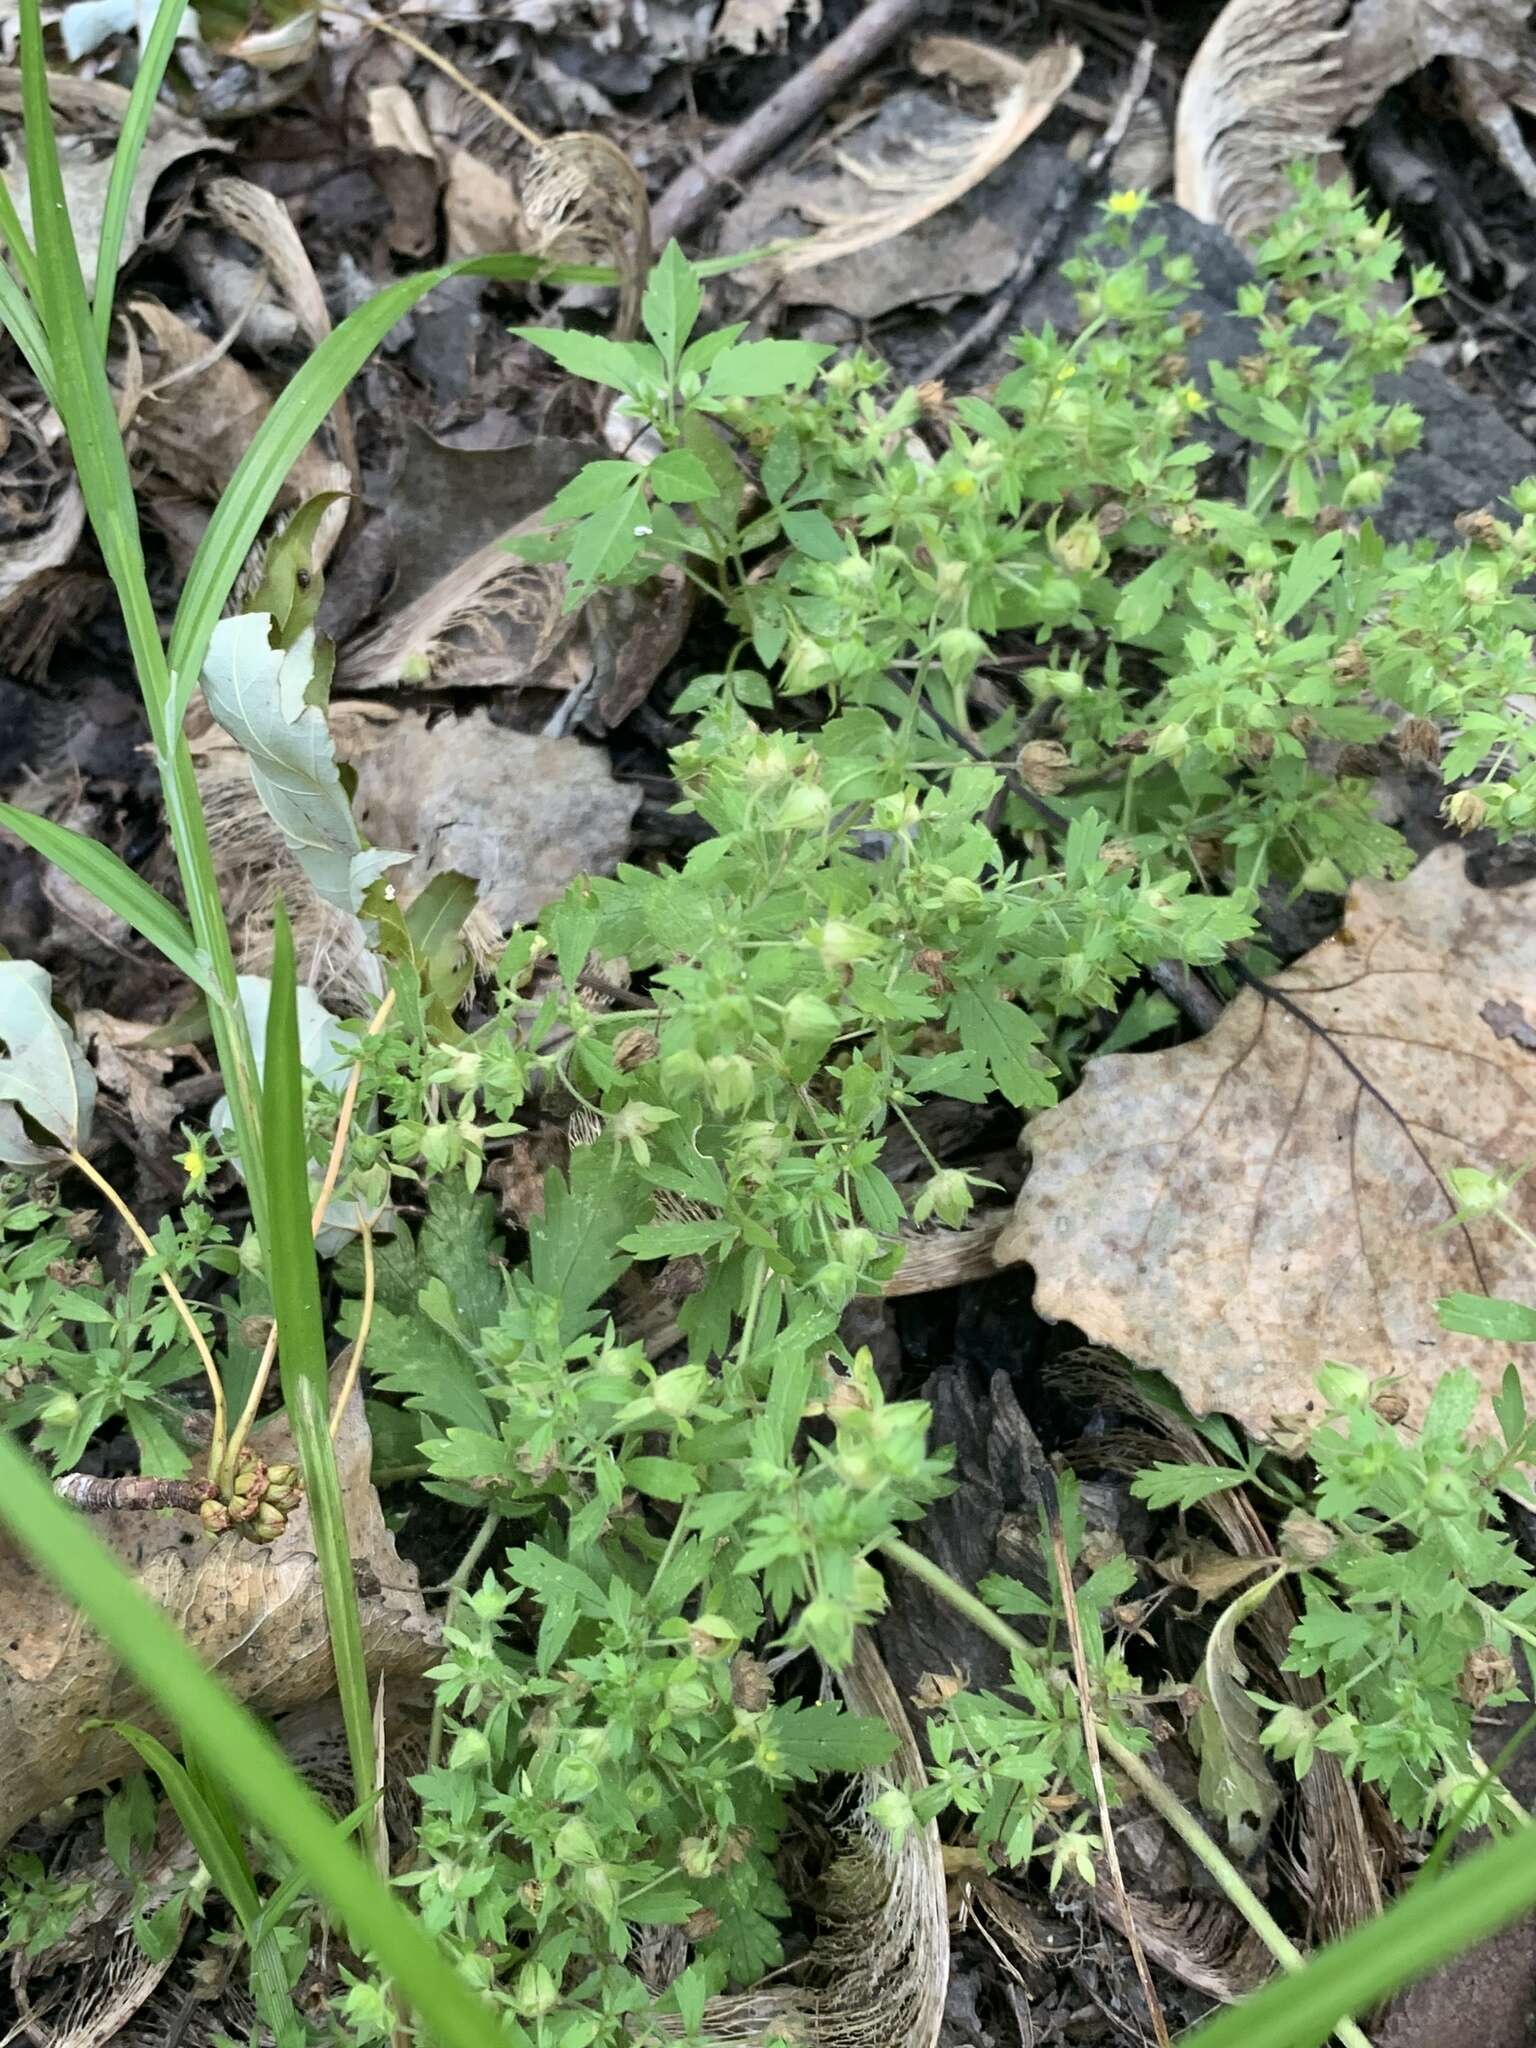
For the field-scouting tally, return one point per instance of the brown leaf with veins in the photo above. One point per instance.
(1238, 1211)
(254, 1615)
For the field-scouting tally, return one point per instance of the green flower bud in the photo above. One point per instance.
(841, 944)
(804, 808)
(808, 1017)
(959, 650)
(731, 1082)
(536, 1993)
(1365, 487)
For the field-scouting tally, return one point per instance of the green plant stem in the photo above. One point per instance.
(1205, 1850)
(456, 1585)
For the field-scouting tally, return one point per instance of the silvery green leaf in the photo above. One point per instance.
(42, 1070)
(272, 704)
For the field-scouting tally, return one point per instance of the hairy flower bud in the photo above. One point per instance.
(1466, 810)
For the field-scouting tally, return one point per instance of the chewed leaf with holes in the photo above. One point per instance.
(272, 702)
(44, 1076)
(1238, 1211)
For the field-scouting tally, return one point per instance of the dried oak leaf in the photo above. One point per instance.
(255, 1617)
(1240, 1210)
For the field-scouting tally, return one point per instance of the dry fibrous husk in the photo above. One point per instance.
(42, 515)
(877, 1971)
(1277, 81)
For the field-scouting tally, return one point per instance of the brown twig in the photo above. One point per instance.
(1083, 1680)
(687, 198)
(1075, 180)
(104, 1496)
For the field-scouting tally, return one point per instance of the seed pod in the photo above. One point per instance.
(214, 1517)
(1043, 766)
(267, 1524)
(1466, 810)
(1481, 528)
(1418, 740)
(1391, 1404)
(1487, 1671)
(751, 1685)
(633, 1048)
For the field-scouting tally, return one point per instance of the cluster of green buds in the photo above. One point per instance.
(260, 1501)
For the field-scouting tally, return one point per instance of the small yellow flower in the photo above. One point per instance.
(963, 486)
(1065, 372)
(1125, 205)
(1194, 400)
(194, 1164)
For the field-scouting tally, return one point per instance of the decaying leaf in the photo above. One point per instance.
(1238, 1211)
(44, 1076)
(1235, 1781)
(748, 25)
(256, 1617)
(198, 412)
(90, 114)
(899, 188)
(129, 1070)
(584, 202)
(1276, 81)
(271, 701)
(520, 814)
(41, 510)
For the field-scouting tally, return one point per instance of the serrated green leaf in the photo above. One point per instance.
(813, 533)
(1478, 1315)
(678, 478)
(671, 304)
(573, 1254)
(807, 1742)
(1005, 1036)
(625, 365)
(263, 698)
(764, 369)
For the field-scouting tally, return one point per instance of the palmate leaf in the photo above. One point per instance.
(573, 1249)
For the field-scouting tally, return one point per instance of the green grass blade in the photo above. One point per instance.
(153, 59)
(294, 1276)
(112, 882)
(257, 1774)
(15, 238)
(286, 431)
(23, 326)
(223, 1860)
(1428, 1924)
(81, 391)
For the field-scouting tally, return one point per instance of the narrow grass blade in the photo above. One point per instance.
(154, 57)
(81, 391)
(22, 325)
(285, 432)
(250, 1763)
(14, 235)
(1429, 1923)
(224, 1861)
(112, 882)
(294, 1276)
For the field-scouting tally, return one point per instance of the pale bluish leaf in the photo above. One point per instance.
(42, 1069)
(261, 696)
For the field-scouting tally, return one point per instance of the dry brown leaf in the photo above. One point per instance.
(1277, 81)
(900, 192)
(750, 25)
(200, 410)
(128, 1069)
(90, 114)
(519, 814)
(406, 166)
(254, 1616)
(1238, 1211)
(42, 513)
